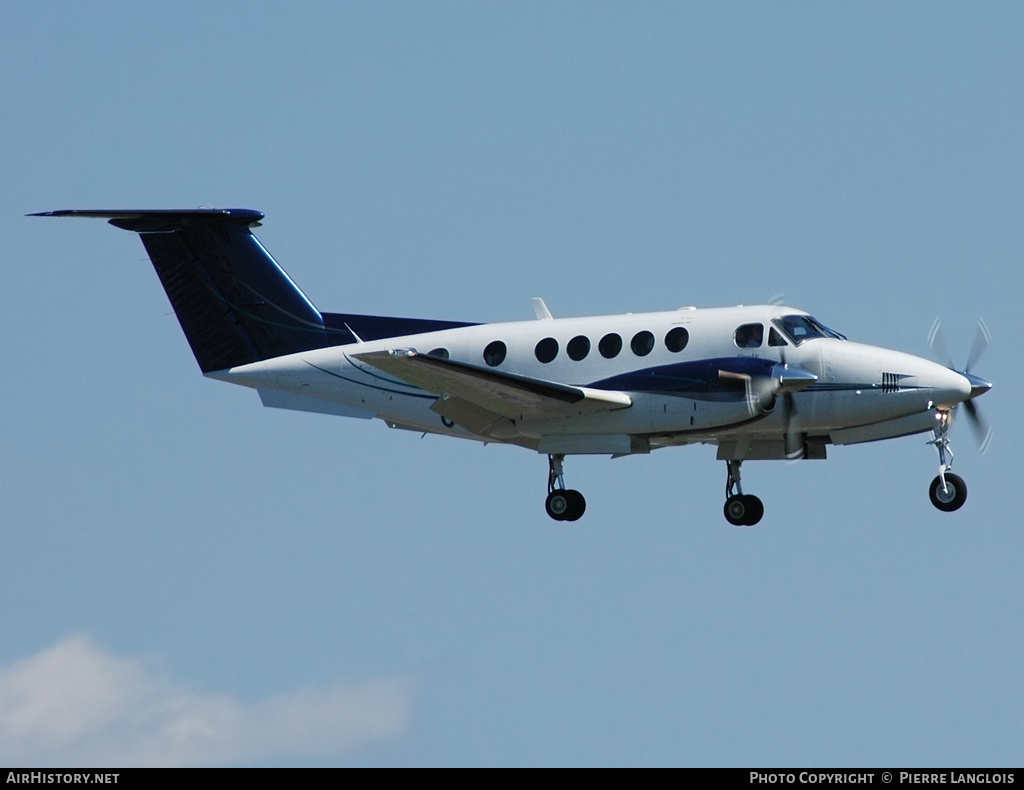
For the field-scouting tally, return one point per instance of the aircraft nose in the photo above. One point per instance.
(948, 387)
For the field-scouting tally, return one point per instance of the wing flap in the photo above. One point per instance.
(474, 418)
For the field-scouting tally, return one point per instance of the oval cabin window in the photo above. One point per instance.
(495, 353)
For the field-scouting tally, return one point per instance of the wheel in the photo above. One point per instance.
(755, 509)
(953, 497)
(557, 504)
(577, 505)
(736, 510)
(743, 510)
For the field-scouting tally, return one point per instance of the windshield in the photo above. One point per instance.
(801, 328)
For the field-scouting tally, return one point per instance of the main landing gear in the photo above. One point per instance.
(562, 504)
(948, 491)
(741, 510)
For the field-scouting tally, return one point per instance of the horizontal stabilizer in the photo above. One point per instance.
(161, 220)
(275, 398)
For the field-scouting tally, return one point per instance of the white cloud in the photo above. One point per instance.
(74, 704)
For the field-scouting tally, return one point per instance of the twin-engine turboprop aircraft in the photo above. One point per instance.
(762, 383)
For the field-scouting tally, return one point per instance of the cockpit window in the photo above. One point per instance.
(801, 328)
(775, 338)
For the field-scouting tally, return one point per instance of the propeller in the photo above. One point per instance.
(765, 388)
(980, 343)
(793, 379)
(759, 389)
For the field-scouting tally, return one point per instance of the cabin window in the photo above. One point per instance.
(610, 345)
(495, 353)
(676, 339)
(439, 352)
(642, 343)
(546, 350)
(578, 347)
(776, 339)
(749, 336)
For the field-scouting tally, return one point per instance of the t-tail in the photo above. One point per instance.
(235, 304)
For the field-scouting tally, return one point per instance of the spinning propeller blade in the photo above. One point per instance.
(982, 339)
(794, 440)
(982, 430)
(937, 343)
(795, 443)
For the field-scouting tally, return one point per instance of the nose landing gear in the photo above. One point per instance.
(741, 510)
(562, 504)
(948, 491)
(948, 497)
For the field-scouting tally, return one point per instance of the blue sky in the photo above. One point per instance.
(193, 579)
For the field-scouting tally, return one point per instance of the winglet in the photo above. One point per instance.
(541, 309)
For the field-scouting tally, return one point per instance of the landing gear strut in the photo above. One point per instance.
(741, 510)
(948, 491)
(562, 504)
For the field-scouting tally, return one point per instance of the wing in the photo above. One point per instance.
(476, 397)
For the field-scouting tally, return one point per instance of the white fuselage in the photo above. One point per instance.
(861, 392)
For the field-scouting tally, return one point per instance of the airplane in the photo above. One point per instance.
(764, 382)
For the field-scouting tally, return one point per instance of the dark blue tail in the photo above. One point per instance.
(234, 302)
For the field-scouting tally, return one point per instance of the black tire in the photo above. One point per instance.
(953, 497)
(558, 504)
(735, 510)
(755, 510)
(577, 505)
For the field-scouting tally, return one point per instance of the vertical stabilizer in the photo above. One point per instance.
(234, 303)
